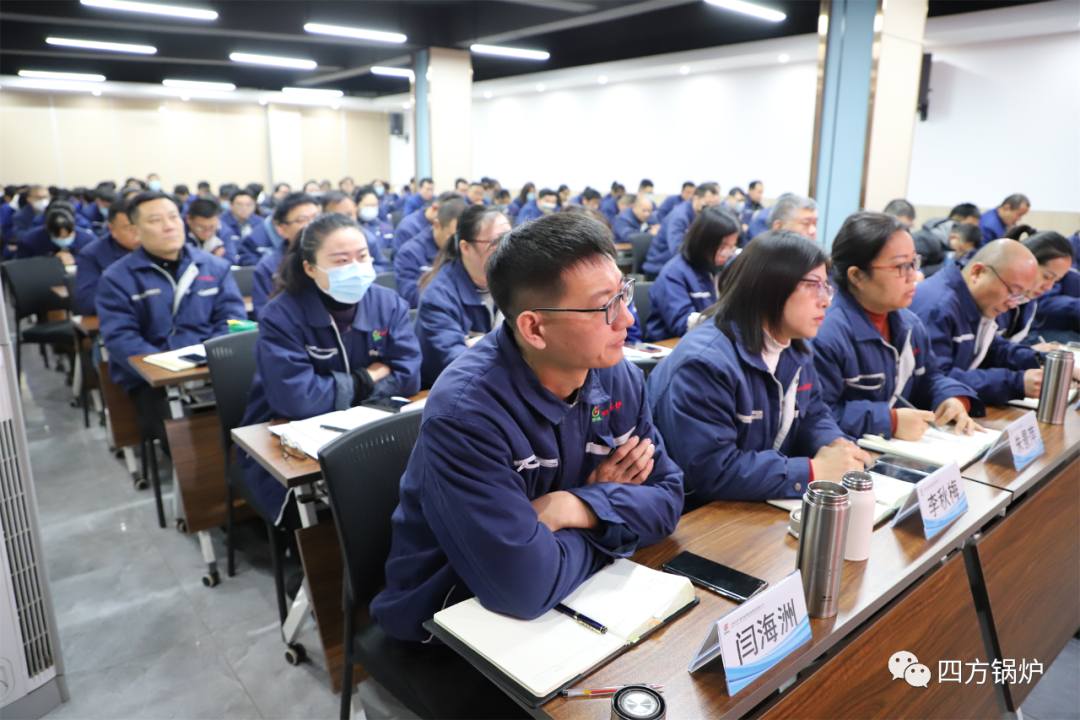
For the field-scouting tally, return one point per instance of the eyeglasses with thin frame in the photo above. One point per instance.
(821, 287)
(903, 269)
(611, 307)
(291, 449)
(1018, 298)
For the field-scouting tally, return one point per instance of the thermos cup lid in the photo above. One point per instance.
(858, 480)
(826, 494)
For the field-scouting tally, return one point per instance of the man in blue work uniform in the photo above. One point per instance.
(205, 231)
(960, 309)
(669, 238)
(119, 240)
(545, 203)
(995, 222)
(638, 218)
(241, 218)
(291, 214)
(671, 201)
(7, 220)
(754, 192)
(379, 233)
(32, 212)
(610, 204)
(421, 196)
(413, 224)
(59, 235)
(97, 211)
(537, 462)
(165, 295)
(417, 256)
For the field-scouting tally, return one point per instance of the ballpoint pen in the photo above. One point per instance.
(333, 428)
(907, 402)
(586, 621)
(604, 691)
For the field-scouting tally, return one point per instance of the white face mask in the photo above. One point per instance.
(40, 205)
(546, 206)
(369, 213)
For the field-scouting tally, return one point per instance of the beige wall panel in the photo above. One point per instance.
(143, 131)
(322, 155)
(450, 99)
(243, 144)
(194, 146)
(27, 145)
(286, 145)
(367, 146)
(1065, 223)
(87, 147)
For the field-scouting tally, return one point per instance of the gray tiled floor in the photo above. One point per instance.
(142, 638)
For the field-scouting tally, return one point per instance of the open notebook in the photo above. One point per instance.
(889, 495)
(310, 435)
(1033, 403)
(171, 360)
(540, 657)
(936, 447)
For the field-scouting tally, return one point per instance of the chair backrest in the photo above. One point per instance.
(386, 279)
(395, 218)
(641, 302)
(30, 282)
(388, 253)
(69, 283)
(639, 243)
(412, 315)
(363, 470)
(231, 362)
(242, 276)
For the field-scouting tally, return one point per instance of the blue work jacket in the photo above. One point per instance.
(669, 204)
(627, 224)
(450, 309)
(240, 229)
(947, 309)
(304, 366)
(529, 211)
(262, 278)
(669, 237)
(992, 226)
(492, 440)
(678, 291)
(609, 205)
(409, 227)
(414, 203)
(260, 241)
(414, 259)
(860, 373)
(1059, 307)
(724, 414)
(140, 311)
(758, 224)
(92, 261)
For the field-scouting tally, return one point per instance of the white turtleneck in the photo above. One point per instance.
(771, 353)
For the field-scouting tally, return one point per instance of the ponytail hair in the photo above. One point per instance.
(290, 276)
(471, 223)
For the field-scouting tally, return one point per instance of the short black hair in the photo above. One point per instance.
(859, 241)
(545, 192)
(758, 283)
(969, 234)
(333, 197)
(707, 187)
(204, 208)
(203, 185)
(11, 190)
(291, 276)
(255, 188)
(118, 207)
(130, 192)
(900, 208)
(563, 187)
(1049, 245)
(450, 210)
(289, 202)
(360, 192)
(427, 181)
(528, 267)
(144, 197)
(105, 194)
(342, 180)
(476, 184)
(1014, 201)
(963, 211)
(227, 189)
(705, 235)
(472, 221)
(282, 185)
(181, 190)
(446, 197)
(646, 182)
(590, 194)
(687, 184)
(242, 191)
(459, 181)
(753, 184)
(502, 193)
(734, 190)
(60, 216)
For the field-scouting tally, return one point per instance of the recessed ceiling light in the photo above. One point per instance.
(406, 105)
(684, 70)
(358, 33)
(749, 9)
(185, 98)
(273, 61)
(602, 80)
(392, 71)
(540, 87)
(488, 94)
(96, 92)
(171, 10)
(107, 46)
(45, 75)
(262, 101)
(784, 58)
(510, 52)
(335, 106)
(312, 92)
(199, 85)
(67, 85)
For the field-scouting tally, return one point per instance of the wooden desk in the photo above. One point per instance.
(86, 324)
(160, 377)
(669, 343)
(265, 447)
(753, 537)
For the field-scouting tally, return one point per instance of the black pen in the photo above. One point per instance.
(907, 402)
(587, 622)
(334, 428)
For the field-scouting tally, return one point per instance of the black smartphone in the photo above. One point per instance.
(721, 579)
(900, 473)
(388, 404)
(903, 462)
(196, 360)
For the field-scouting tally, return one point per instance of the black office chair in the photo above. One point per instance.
(363, 470)
(30, 282)
(242, 276)
(231, 362)
(641, 302)
(387, 280)
(395, 218)
(640, 243)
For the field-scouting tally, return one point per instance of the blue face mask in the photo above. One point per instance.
(63, 242)
(155, 185)
(349, 283)
(531, 196)
(369, 213)
(650, 196)
(379, 190)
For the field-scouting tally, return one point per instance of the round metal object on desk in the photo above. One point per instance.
(637, 703)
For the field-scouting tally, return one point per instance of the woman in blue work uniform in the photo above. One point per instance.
(872, 349)
(456, 309)
(1041, 314)
(59, 235)
(686, 285)
(329, 340)
(738, 401)
(1057, 319)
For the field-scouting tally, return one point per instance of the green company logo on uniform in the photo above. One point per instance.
(378, 335)
(596, 413)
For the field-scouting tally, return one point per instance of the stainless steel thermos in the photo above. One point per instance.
(822, 538)
(1057, 379)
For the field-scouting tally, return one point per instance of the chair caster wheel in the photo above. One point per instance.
(295, 654)
(141, 483)
(181, 525)
(211, 579)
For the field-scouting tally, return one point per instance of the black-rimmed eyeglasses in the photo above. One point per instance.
(610, 309)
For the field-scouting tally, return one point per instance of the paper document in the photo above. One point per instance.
(310, 435)
(936, 447)
(171, 360)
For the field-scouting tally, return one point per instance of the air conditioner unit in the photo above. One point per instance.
(31, 670)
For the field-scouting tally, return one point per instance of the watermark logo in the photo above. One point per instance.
(917, 675)
(900, 662)
(905, 665)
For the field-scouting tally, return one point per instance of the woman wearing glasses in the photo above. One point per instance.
(738, 401)
(878, 372)
(1046, 311)
(329, 340)
(456, 307)
(686, 285)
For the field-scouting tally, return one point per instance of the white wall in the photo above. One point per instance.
(731, 127)
(1003, 119)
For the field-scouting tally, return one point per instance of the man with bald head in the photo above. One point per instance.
(959, 308)
(635, 218)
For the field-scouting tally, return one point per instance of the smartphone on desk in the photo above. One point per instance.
(711, 575)
(900, 473)
(196, 360)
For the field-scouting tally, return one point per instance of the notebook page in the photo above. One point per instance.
(540, 654)
(935, 448)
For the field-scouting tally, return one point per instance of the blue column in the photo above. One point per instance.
(422, 113)
(845, 112)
